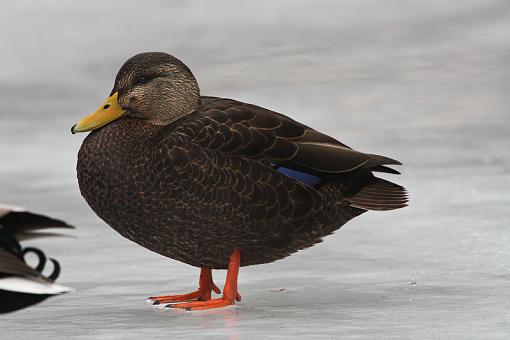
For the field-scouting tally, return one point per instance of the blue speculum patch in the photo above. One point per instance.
(303, 177)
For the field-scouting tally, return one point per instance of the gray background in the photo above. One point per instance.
(425, 82)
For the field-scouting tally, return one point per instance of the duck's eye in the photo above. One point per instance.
(106, 106)
(143, 79)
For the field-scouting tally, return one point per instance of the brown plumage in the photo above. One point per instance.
(211, 176)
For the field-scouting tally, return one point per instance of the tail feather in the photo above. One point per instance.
(379, 195)
(382, 168)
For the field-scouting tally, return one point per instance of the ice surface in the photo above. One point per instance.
(424, 82)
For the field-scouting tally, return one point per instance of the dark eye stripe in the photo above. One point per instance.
(144, 79)
(140, 80)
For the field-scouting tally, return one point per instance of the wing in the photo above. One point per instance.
(273, 139)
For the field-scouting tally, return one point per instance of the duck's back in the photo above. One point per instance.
(233, 175)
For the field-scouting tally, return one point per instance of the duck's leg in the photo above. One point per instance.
(203, 293)
(230, 294)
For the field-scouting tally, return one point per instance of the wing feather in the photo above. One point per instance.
(274, 139)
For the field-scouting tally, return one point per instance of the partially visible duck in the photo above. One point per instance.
(20, 284)
(214, 182)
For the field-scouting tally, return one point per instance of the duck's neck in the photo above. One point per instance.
(178, 101)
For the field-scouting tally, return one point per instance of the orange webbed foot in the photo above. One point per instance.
(230, 293)
(201, 305)
(203, 293)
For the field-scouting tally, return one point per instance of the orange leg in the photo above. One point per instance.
(230, 294)
(203, 293)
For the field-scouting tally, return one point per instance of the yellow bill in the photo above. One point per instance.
(106, 113)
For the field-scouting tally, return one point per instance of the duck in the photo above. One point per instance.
(214, 182)
(22, 285)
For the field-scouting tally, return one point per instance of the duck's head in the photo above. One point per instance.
(153, 86)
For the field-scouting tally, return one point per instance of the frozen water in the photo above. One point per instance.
(427, 83)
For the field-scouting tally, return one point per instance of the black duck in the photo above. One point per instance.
(214, 182)
(20, 284)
